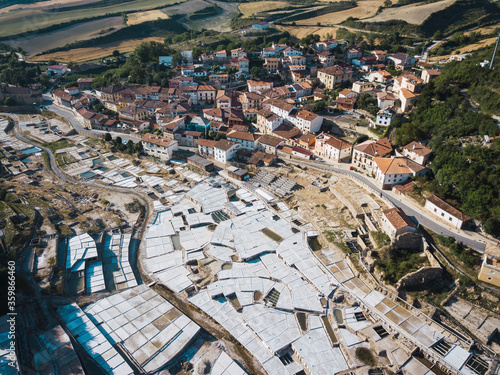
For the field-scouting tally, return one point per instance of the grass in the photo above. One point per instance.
(366, 356)
(60, 144)
(31, 20)
(381, 239)
(396, 263)
(331, 237)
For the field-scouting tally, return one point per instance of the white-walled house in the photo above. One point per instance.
(225, 150)
(332, 148)
(393, 171)
(364, 153)
(385, 116)
(247, 140)
(159, 147)
(447, 212)
(395, 222)
(417, 152)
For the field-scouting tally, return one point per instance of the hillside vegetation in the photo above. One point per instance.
(465, 172)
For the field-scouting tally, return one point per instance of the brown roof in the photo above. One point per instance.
(398, 219)
(418, 148)
(207, 143)
(335, 70)
(280, 104)
(397, 166)
(338, 143)
(379, 148)
(242, 135)
(306, 115)
(156, 140)
(224, 144)
(405, 187)
(448, 208)
(270, 140)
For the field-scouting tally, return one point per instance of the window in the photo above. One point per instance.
(450, 219)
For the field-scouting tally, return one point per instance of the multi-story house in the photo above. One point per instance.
(393, 171)
(326, 59)
(225, 150)
(206, 94)
(334, 74)
(259, 86)
(385, 116)
(267, 121)
(247, 140)
(332, 148)
(364, 153)
(272, 64)
(159, 147)
(417, 152)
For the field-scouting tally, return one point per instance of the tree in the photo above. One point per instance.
(116, 53)
(254, 71)
(124, 18)
(107, 137)
(118, 141)
(492, 226)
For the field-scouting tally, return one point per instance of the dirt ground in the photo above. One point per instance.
(413, 13)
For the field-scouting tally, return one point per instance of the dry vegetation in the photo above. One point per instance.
(150, 15)
(45, 5)
(29, 20)
(469, 48)
(365, 9)
(78, 55)
(250, 9)
(302, 31)
(88, 30)
(413, 13)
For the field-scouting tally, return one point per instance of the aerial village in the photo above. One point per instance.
(224, 225)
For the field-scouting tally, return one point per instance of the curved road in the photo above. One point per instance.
(53, 166)
(75, 124)
(423, 218)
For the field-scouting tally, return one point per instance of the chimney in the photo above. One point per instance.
(414, 146)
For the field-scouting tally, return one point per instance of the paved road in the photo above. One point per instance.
(75, 124)
(422, 217)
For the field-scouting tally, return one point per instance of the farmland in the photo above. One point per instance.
(364, 9)
(140, 17)
(79, 55)
(21, 21)
(38, 43)
(44, 5)
(250, 9)
(302, 31)
(413, 13)
(219, 22)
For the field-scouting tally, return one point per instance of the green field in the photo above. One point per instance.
(22, 21)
